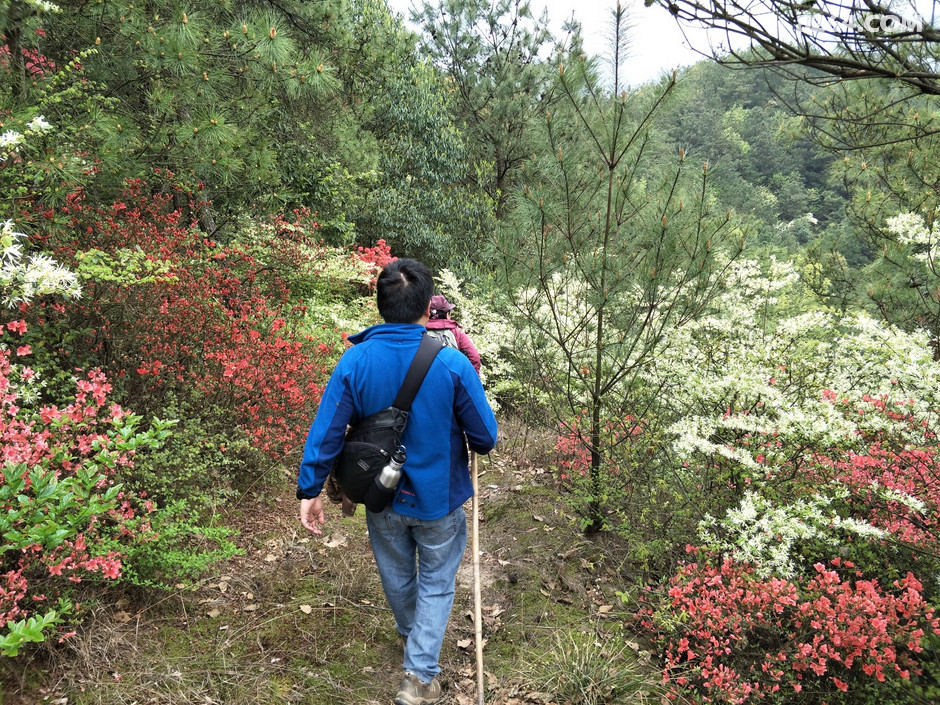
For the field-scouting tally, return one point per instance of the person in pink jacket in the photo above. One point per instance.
(440, 320)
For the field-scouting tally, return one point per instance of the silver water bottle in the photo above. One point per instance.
(382, 491)
(391, 473)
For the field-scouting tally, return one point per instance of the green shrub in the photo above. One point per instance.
(182, 546)
(199, 463)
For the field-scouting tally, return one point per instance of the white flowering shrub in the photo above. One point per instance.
(12, 140)
(805, 435)
(23, 278)
(911, 230)
(775, 538)
(739, 371)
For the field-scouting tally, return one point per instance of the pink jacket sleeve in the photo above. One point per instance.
(466, 346)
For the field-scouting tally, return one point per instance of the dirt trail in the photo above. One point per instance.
(302, 619)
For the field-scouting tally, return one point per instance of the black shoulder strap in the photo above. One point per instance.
(427, 351)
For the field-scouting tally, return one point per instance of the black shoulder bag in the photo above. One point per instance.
(371, 441)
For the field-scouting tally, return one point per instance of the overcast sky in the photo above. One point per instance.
(656, 43)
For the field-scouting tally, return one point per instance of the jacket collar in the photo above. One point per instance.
(392, 332)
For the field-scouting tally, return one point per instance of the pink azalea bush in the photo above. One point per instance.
(733, 637)
(62, 516)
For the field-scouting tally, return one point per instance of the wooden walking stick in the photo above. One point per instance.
(477, 599)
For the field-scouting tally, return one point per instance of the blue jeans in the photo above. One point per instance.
(418, 561)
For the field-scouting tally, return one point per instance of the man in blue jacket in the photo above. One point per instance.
(419, 540)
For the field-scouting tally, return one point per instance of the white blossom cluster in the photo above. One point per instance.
(731, 372)
(910, 229)
(38, 125)
(27, 382)
(21, 280)
(902, 498)
(768, 536)
(43, 6)
(11, 140)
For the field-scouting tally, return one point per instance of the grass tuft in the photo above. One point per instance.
(581, 669)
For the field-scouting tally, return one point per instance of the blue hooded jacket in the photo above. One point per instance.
(449, 406)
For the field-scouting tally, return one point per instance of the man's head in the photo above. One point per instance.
(403, 291)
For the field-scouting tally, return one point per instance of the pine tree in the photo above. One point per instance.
(208, 91)
(608, 247)
(496, 57)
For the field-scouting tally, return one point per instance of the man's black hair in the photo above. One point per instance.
(403, 291)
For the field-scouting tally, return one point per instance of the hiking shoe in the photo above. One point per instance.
(413, 692)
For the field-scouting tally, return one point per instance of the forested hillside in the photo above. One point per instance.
(764, 163)
(708, 310)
